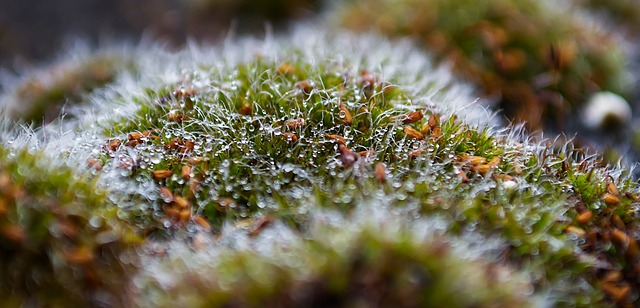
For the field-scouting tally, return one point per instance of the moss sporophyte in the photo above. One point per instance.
(294, 174)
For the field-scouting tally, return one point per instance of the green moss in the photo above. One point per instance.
(234, 137)
(40, 97)
(60, 244)
(339, 267)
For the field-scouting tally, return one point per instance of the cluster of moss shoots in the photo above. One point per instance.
(265, 143)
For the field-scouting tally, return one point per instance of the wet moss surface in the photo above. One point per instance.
(297, 177)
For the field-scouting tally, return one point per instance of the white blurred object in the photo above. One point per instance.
(606, 108)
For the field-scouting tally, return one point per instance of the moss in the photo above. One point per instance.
(227, 152)
(59, 242)
(542, 61)
(227, 162)
(362, 268)
(40, 97)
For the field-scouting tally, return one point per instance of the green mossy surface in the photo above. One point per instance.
(243, 169)
(296, 177)
(60, 242)
(40, 98)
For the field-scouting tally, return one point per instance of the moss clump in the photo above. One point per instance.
(236, 143)
(60, 244)
(227, 162)
(540, 60)
(40, 97)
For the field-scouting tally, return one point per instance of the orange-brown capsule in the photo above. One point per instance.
(482, 169)
(13, 233)
(434, 120)
(186, 172)
(166, 194)
(345, 114)
(610, 199)
(412, 133)
(617, 222)
(202, 222)
(426, 129)
(347, 157)
(495, 162)
(290, 137)
(436, 132)
(620, 237)
(473, 160)
(381, 172)
(181, 203)
(137, 136)
(184, 92)
(188, 147)
(462, 176)
(575, 230)
(337, 138)
(286, 69)
(414, 154)
(619, 293)
(171, 212)
(161, 174)
(246, 109)
(367, 153)
(612, 189)
(304, 85)
(584, 217)
(4, 208)
(132, 143)
(195, 160)
(368, 79)
(502, 177)
(413, 117)
(114, 145)
(293, 124)
(93, 163)
(79, 255)
(175, 117)
(184, 214)
(258, 225)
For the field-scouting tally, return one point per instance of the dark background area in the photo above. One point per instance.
(35, 30)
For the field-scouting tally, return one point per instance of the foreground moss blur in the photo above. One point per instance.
(60, 242)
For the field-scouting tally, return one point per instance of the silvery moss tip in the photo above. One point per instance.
(541, 59)
(317, 166)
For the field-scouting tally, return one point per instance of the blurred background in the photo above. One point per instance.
(35, 30)
(566, 67)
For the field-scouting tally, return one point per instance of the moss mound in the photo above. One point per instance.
(294, 174)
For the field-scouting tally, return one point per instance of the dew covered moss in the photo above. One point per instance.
(60, 242)
(228, 160)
